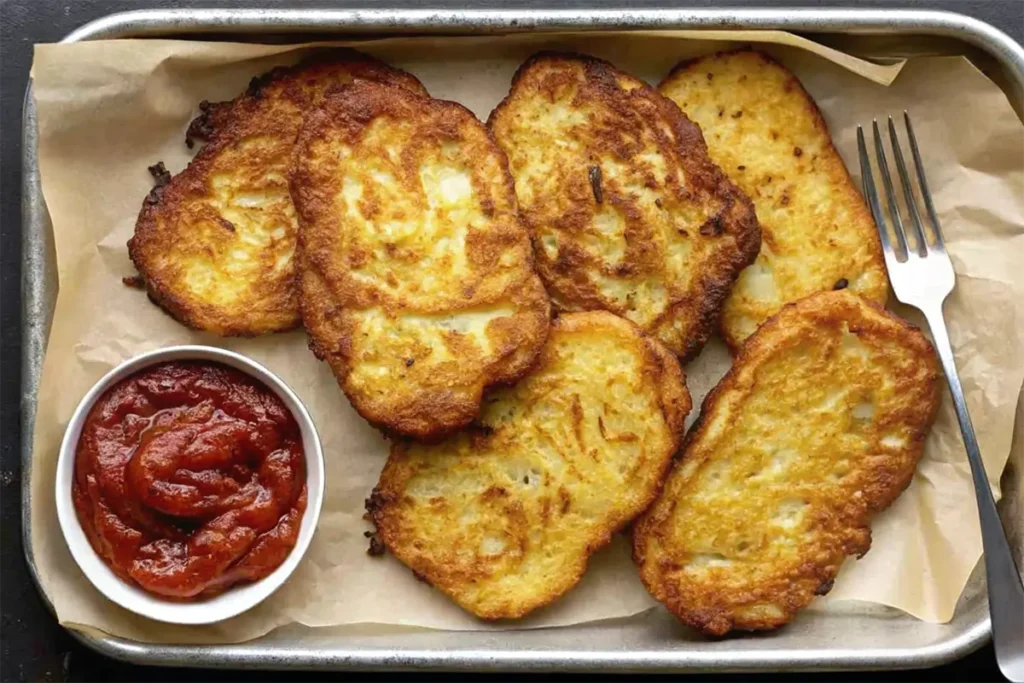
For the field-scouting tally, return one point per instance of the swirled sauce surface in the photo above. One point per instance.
(189, 478)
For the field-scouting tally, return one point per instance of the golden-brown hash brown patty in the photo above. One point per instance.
(215, 245)
(626, 210)
(503, 517)
(417, 283)
(817, 427)
(764, 130)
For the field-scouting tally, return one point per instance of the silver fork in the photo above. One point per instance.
(922, 276)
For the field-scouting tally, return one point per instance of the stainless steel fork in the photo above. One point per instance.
(922, 276)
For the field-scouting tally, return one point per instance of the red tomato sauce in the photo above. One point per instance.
(189, 478)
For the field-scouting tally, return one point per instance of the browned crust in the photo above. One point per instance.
(431, 562)
(699, 306)
(329, 295)
(711, 611)
(836, 166)
(273, 106)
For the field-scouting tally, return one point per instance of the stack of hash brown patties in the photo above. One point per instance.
(509, 303)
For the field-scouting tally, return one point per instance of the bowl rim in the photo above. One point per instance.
(237, 599)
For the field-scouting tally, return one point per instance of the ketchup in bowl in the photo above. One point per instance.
(190, 478)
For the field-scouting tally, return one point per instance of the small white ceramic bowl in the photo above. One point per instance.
(237, 599)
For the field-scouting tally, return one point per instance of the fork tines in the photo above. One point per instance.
(922, 245)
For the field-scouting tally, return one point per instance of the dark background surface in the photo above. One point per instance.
(34, 646)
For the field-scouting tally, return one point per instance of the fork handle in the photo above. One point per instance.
(1005, 591)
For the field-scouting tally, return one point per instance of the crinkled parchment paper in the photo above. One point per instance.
(108, 109)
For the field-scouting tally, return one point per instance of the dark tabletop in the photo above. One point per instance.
(34, 647)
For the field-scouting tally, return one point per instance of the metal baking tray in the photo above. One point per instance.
(854, 637)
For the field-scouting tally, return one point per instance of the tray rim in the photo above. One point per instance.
(37, 316)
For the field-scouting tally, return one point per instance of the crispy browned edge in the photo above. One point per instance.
(218, 126)
(819, 123)
(387, 495)
(440, 416)
(879, 494)
(715, 284)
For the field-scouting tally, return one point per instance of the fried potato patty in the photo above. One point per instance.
(627, 212)
(503, 517)
(817, 427)
(215, 245)
(416, 279)
(765, 131)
